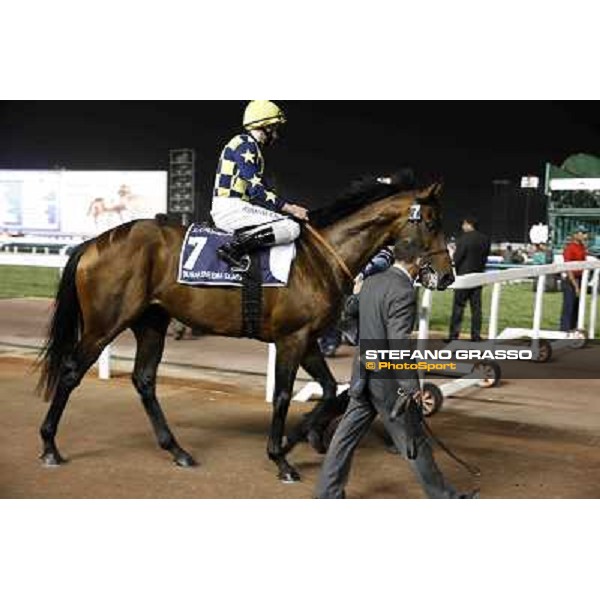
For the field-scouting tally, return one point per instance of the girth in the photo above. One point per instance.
(252, 296)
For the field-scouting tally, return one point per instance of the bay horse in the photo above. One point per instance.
(127, 278)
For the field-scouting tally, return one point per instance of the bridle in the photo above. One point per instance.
(433, 226)
(411, 219)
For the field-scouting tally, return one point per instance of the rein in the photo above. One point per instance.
(331, 251)
(430, 254)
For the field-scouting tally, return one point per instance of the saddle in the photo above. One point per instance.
(201, 266)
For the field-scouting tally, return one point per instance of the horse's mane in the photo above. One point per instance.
(361, 193)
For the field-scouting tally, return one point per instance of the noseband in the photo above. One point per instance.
(415, 218)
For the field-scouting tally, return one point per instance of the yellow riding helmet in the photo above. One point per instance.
(261, 113)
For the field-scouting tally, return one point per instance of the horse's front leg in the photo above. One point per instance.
(289, 353)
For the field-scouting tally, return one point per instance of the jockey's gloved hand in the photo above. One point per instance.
(297, 211)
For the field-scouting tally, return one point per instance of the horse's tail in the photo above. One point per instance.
(64, 329)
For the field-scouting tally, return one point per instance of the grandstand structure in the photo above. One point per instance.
(573, 191)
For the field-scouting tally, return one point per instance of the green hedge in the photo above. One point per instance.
(28, 282)
(516, 303)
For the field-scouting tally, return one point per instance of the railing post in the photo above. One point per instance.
(539, 305)
(582, 294)
(494, 311)
(424, 317)
(594, 304)
(425, 314)
(270, 388)
(104, 363)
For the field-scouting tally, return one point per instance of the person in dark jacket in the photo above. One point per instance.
(387, 313)
(472, 251)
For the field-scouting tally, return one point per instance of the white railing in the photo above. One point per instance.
(14, 259)
(57, 261)
(494, 278)
(497, 278)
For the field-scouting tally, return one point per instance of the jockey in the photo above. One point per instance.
(242, 203)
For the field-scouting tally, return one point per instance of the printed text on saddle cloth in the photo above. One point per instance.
(199, 264)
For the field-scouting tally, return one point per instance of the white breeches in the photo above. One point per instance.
(230, 214)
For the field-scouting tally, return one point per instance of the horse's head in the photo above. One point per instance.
(419, 219)
(378, 214)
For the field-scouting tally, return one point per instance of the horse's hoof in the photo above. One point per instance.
(52, 459)
(472, 495)
(185, 460)
(291, 476)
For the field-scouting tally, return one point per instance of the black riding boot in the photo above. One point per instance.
(236, 252)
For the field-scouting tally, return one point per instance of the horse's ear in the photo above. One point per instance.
(431, 192)
(435, 190)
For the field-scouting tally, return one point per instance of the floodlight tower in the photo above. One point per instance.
(182, 178)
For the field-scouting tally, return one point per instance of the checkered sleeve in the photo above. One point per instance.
(380, 262)
(247, 157)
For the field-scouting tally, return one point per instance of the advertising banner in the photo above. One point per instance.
(78, 203)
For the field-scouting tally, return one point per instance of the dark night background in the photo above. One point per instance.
(324, 146)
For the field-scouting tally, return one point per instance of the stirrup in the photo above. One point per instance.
(240, 265)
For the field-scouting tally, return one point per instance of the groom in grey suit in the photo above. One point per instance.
(387, 312)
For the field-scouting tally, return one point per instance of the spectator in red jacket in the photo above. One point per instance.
(575, 250)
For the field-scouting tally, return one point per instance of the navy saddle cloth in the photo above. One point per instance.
(199, 264)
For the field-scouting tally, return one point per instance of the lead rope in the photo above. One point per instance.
(473, 470)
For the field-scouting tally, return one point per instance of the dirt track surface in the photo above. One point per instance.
(531, 439)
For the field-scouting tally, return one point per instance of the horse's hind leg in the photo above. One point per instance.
(73, 368)
(150, 330)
